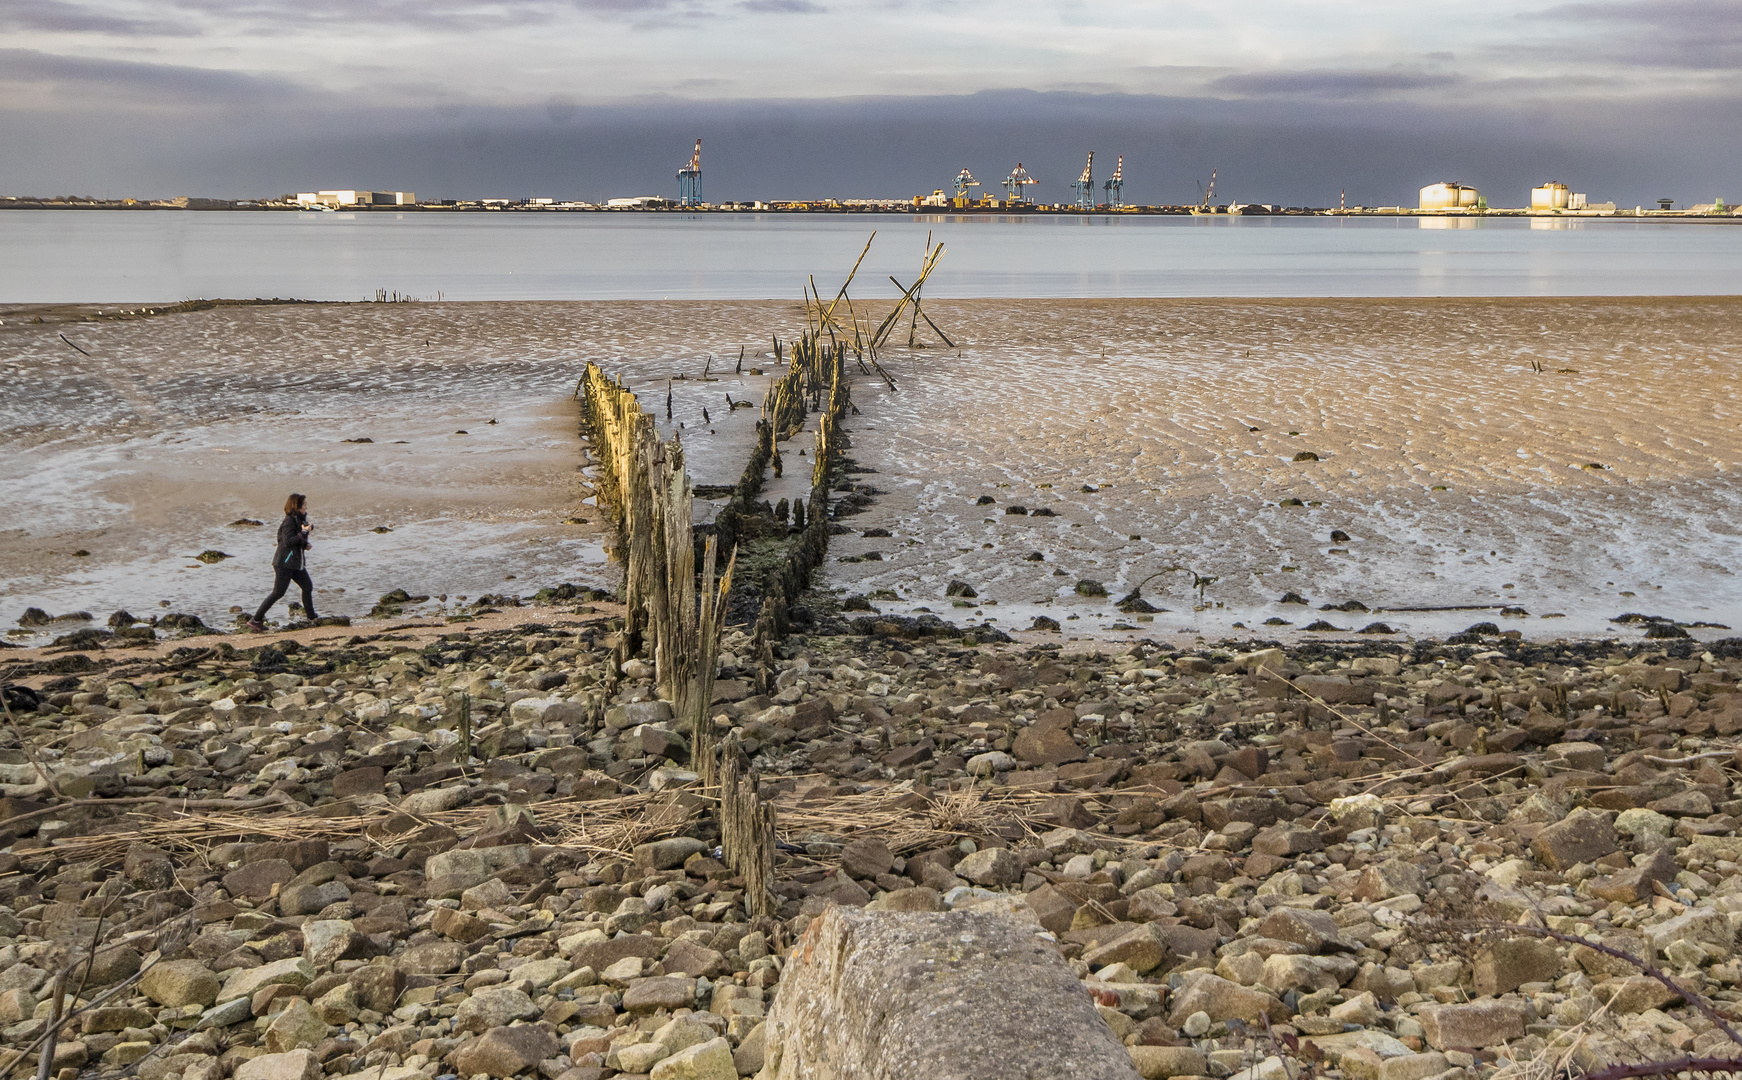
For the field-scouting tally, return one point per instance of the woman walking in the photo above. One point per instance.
(287, 563)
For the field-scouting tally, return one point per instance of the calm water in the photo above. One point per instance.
(152, 257)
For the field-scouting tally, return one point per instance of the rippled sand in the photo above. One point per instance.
(1186, 416)
(143, 452)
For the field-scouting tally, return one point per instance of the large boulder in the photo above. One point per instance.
(947, 996)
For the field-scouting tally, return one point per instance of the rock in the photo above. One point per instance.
(505, 1051)
(1691, 803)
(636, 713)
(661, 992)
(458, 925)
(1634, 884)
(668, 854)
(990, 867)
(1362, 1009)
(378, 986)
(494, 1007)
(641, 1057)
(462, 868)
(866, 857)
(1703, 925)
(1047, 741)
(990, 763)
(1142, 949)
(19, 1004)
(711, 1060)
(431, 958)
(175, 983)
(1581, 837)
(245, 982)
(1637, 994)
(600, 955)
(1393, 877)
(1413, 1066)
(112, 965)
(884, 994)
(432, 800)
(295, 1027)
(1639, 821)
(1164, 1062)
(295, 1065)
(1506, 965)
(1315, 931)
(1473, 1026)
(542, 973)
(148, 868)
(919, 898)
(1285, 971)
(1335, 689)
(1222, 1000)
(309, 899)
(326, 941)
(256, 880)
(685, 958)
(1583, 756)
(1285, 840)
(751, 1053)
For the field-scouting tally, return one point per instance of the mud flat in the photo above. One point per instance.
(140, 440)
(1571, 460)
(1463, 476)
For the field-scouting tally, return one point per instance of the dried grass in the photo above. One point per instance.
(599, 827)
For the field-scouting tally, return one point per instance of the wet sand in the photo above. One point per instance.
(143, 452)
(1604, 483)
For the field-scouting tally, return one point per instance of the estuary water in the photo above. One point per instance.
(164, 256)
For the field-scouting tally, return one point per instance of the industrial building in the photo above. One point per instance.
(1554, 197)
(353, 197)
(1451, 196)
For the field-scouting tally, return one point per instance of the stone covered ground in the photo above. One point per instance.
(1260, 864)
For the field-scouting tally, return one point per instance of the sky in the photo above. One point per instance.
(1291, 102)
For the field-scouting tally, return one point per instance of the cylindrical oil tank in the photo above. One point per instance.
(1553, 195)
(1448, 196)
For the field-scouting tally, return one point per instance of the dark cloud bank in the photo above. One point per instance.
(1296, 138)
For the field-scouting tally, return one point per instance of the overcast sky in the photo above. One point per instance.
(1293, 100)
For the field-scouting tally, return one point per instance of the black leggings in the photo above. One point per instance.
(281, 580)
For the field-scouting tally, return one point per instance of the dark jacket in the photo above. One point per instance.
(292, 541)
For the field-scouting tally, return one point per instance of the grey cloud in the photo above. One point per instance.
(1687, 34)
(59, 16)
(783, 7)
(1330, 84)
(131, 82)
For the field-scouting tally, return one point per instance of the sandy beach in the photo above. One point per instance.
(1462, 475)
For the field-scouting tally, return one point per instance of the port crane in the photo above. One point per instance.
(689, 180)
(964, 181)
(1115, 187)
(1209, 193)
(1016, 181)
(1084, 185)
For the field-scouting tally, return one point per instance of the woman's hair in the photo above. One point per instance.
(295, 503)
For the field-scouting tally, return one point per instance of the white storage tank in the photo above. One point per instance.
(1553, 195)
(1449, 196)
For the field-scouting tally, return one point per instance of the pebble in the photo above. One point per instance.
(1195, 832)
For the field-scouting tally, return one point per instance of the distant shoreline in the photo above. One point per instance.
(1245, 210)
